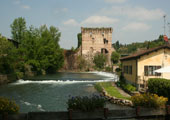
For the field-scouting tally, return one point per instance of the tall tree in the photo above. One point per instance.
(8, 56)
(18, 29)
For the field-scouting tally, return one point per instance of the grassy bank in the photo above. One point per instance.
(111, 90)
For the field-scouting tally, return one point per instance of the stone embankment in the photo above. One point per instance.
(115, 100)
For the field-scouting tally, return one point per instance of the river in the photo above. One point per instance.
(51, 92)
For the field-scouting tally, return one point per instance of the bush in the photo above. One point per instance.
(160, 87)
(86, 103)
(99, 61)
(8, 106)
(149, 100)
(98, 87)
(108, 69)
(128, 87)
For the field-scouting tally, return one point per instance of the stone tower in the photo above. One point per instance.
(96, 40)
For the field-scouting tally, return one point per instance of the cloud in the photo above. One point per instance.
(137, 13)
(17, 2)
(61, 10)
(71, 22)
(115, 1)
(98, 20)
(27, 7)
(136, 26)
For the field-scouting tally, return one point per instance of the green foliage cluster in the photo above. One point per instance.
(99, 60)
(128, 87)
(8, 106)
(79, 36)
(149, 100)
(86, 103)
(133, 47)
(18, 29)
(98, 87)
(160, 87)
(8, 56)
(108, 69)
(38, 51)
(115, 57)
(125, 86)
(82, 64)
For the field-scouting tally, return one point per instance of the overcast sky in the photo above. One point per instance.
(131, 20)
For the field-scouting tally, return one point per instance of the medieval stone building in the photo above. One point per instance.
(96, 40)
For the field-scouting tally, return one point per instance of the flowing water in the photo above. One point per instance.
(51, 92)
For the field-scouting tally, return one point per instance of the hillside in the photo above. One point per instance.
(126, 49)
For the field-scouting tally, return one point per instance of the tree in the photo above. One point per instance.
(40, 49)
(18, 29)
(99, 60)
(115, 57)
(8, 56)
(79, 36)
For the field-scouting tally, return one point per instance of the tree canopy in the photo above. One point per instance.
(115, 57)
(18, 28)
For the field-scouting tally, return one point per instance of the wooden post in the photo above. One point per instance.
(70, 114)
(137, 110)
(5, 116)
(106, 112)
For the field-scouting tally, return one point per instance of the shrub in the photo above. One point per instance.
(98, 87)
(160, 87)
(149, 100)
(86, 103)
(99, 61)
(108, 69)
(8, 106)
(128, 87)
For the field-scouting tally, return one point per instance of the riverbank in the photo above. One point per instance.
(113, 94)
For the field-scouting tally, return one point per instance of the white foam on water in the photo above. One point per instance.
(27, 103)
(39, 107)
(20, 82)
(110, 75)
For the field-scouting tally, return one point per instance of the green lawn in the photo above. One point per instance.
(111, 90)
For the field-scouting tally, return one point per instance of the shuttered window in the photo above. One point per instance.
(149, 70)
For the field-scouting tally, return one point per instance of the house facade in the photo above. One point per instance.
(139, 67)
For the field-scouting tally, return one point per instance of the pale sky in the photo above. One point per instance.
(131, 20)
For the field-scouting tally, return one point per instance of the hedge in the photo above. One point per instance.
(160, 87)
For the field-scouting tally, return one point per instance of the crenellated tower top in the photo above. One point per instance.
(96, 30)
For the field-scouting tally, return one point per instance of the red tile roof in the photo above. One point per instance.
(144, 52)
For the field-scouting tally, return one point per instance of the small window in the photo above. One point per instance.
(130, 69)
(105, 41)
(149, 70)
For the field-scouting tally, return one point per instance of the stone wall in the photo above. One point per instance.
(3, 79)
(96, 40)
(104, 114)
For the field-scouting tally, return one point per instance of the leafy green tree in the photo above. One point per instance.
(18, 28)
(79, 36)
(99, 60)
(115, 57)
(8, 56)
(40, 49)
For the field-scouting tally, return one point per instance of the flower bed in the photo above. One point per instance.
(86, 103)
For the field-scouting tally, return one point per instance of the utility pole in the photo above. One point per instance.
(169, 28)
(164, 24)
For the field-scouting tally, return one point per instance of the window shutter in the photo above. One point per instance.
(146, 70)
(158, 74)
